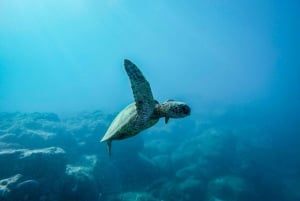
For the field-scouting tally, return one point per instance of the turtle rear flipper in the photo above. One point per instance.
(109, 148)
(141, 89)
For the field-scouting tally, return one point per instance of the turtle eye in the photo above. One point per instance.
(186, 110)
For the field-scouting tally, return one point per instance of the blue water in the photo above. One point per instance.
(62, 82)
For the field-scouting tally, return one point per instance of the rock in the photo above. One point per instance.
(136, 196)
(16, 188)
(39, 130)
(4, 145)
(84, 167)
(164, 164)
(146, 160)
(80, 184)
(227, 188)
(27, 185)
(192, 189)
(7, 185)
(173, 189)
(187, 171)
(38, 163)
(26, 190)
(213, 152)
(180, 157)
(86, 129)
(11, 182)
(31, 130)
(108, 179)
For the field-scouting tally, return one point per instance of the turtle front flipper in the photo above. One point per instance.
(141, 91)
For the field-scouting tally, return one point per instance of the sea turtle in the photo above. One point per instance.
(144, 112)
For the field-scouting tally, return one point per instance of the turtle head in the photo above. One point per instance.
(175, 109)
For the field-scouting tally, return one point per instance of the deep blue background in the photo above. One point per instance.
(66, 56)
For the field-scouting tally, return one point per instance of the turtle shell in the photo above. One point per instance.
(127, 124)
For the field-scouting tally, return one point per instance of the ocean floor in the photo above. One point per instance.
(223, 156)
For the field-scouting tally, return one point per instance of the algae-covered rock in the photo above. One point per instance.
(37, 163)
(192, 189)
(31, 130)
(17, 188)
(163, 162)
(83, 131)
(136, 196)
(227, 188)
(7, 185)
(187, 171)
(10, 182)
(211, 153)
